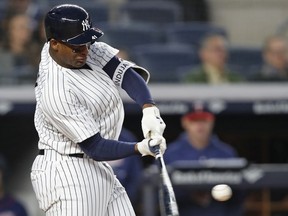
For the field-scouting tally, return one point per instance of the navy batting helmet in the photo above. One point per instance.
(71, 24)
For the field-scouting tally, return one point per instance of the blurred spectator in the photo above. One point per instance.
(19, 49)
(198, 143)
(8, 205)
(213, 69)
(129, 170)
(275, 54)
(27, 7)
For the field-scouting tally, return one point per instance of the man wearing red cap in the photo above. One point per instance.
(198, 143)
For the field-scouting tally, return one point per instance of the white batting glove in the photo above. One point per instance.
(152, 123)
(145, 147)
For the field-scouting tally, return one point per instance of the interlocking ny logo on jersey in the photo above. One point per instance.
(86, 25)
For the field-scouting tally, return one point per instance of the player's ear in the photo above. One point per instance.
(54, 44)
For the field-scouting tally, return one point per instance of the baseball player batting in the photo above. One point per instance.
(79, 115)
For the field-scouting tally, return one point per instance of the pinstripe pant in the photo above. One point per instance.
(69, 186)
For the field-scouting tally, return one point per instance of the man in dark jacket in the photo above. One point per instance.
(198, 143)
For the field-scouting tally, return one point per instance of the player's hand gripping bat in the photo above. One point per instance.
(167, 200)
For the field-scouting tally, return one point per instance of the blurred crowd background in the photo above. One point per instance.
(181, 42)
(192, 41)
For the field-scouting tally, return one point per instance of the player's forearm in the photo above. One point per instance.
(101, 149)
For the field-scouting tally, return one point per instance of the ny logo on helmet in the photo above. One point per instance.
(86, 25)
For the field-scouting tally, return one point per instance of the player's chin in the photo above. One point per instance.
(80, 63)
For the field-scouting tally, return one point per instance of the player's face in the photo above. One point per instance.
(76, 56)
(71, 56)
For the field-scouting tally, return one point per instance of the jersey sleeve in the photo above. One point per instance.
(69, 117)
(101, 53)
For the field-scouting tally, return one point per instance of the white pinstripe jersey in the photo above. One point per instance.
(74, 104)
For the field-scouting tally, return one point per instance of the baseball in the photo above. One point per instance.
(221, 192)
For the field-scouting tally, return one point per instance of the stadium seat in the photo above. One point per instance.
(191, 33)
(245, 60)
(163, 60)
(129, 36)
(157, 12)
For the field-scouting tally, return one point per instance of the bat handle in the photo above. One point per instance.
(156, 151)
